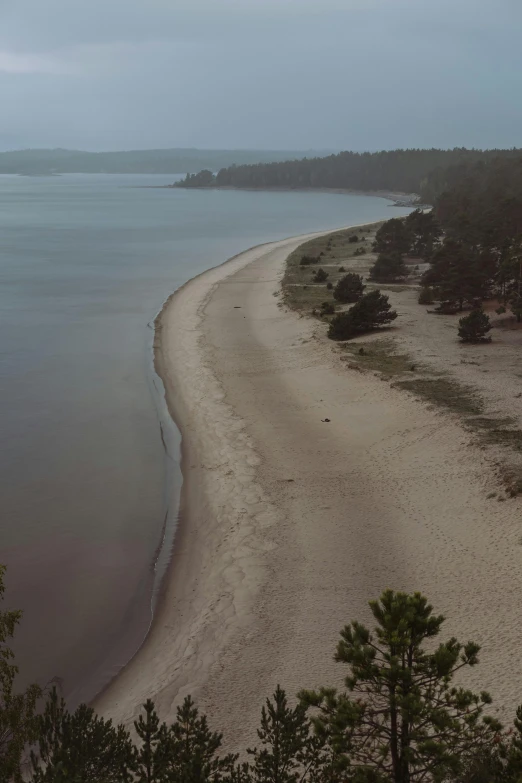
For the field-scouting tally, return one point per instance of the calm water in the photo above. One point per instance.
(89, 491)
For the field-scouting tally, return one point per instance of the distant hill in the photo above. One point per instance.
(168, 161)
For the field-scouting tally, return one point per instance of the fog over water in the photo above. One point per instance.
(86, 262)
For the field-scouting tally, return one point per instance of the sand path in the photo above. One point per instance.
(290, 524)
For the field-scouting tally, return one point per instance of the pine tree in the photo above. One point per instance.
(80, 747)
(17, 710)
(289, 751)
(349, 288)
(393, 237)
(474, 327)
(371, 311)
(193, 749)
(154, 748)
(401, 719)
(389, 268)
(424, 231)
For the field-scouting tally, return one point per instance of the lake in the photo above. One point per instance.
(89, 462)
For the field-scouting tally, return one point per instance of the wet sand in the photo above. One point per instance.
(290, 523)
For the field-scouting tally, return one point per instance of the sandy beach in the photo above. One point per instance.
(290, 524)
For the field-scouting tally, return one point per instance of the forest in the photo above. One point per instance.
(428, 173)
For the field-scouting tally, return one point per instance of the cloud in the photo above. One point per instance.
(272, 73)
(12, 62)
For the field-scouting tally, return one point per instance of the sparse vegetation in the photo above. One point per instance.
(320, 276)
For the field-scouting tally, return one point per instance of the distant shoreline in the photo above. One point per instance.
(400, 199)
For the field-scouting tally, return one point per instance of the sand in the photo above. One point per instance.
(290, 524)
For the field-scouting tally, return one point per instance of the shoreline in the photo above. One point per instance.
(176, 570)
(399, 198)
(288, 525)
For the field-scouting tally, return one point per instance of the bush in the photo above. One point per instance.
(329, 286)
(353, 238)
(327, 308)
(320, 276)
(307, 260)
(342, 269)
(350, 288)
(426, 296)
(371, 311)
(474, 327)
(389, 268)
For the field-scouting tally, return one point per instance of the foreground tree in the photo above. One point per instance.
(473, 328)
(80, 747)
(193, 749)
(18, 724)
(370, 312)
(389, 268)
(401, 719)
(349, 288)
(289, 751)
(152, 756)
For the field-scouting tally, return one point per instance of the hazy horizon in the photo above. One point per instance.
(260, 74)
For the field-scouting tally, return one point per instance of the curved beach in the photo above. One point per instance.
(289, 524)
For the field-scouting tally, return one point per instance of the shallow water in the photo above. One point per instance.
(86, 262)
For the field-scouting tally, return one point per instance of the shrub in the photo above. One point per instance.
(353, 238)
(426, 296)
(320, 276)
(388, 268)
(474, 327)
(342, 269)
(329, 286)
(371, 311)
(307, 260)
(327, 308)
(350, 288)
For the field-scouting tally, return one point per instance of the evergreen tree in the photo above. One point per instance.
(401, 719)
(389, 268)
(153, 751)
(425, 233)
(459, 274)
(17, 710)
(393, 237)
(474, 327)
(192, 751)
(80, 747)
(349, 288)
(320, 276)
(370, 312)
(289, 752)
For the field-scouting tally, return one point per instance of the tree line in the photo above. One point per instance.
(400, 718)
(426, 172)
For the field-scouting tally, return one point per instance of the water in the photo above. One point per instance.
(89, 491)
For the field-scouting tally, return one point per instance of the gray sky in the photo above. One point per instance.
(276, 74)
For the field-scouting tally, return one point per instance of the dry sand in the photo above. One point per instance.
(290, 524)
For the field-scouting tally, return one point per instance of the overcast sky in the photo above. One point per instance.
(274, 74)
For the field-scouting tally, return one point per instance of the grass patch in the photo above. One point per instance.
(380, 356)
(446, 393)
(333, 251)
